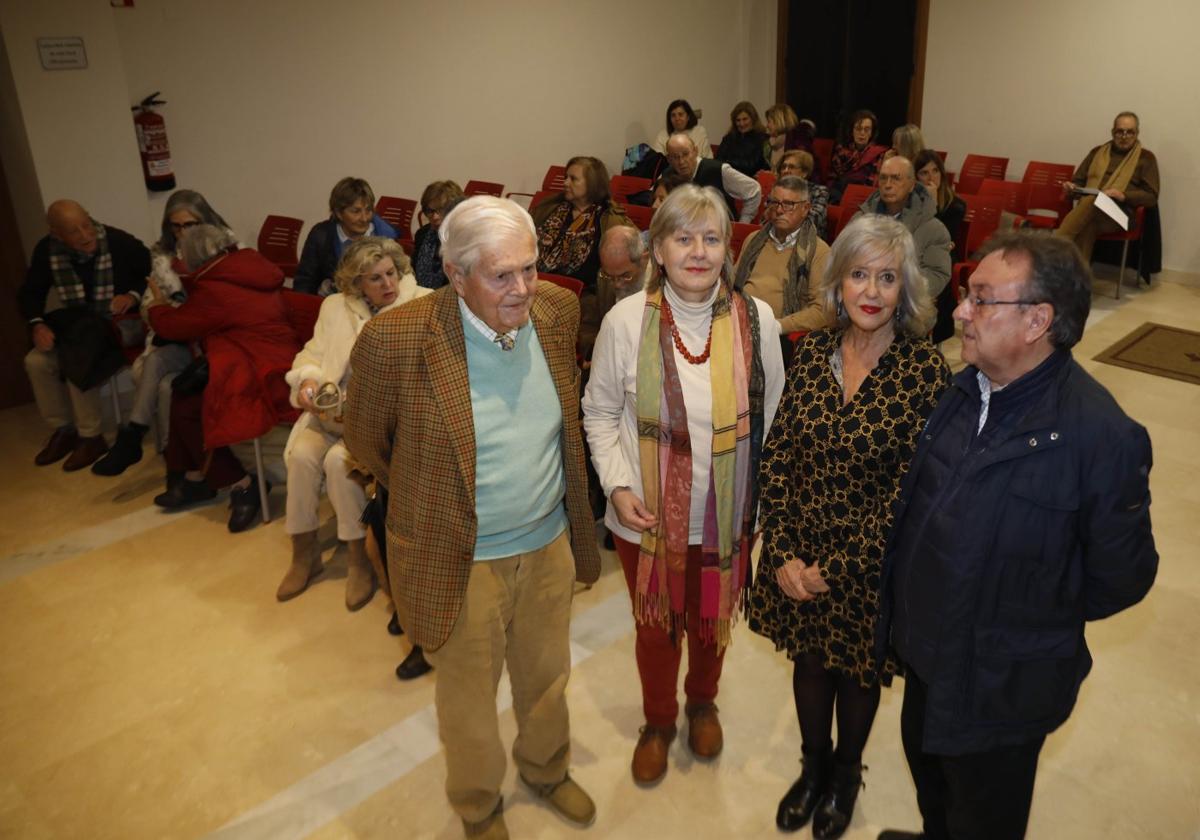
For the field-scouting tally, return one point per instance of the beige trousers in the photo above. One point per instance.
(517, 610)
(1083, 224)
(59, 402)
(320, 457)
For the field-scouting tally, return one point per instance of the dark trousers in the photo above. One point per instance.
(659, 654)
(982, 796)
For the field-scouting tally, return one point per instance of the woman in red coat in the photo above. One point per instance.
(235, 310)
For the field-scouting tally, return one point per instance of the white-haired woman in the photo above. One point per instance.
(857, 396)
(684, 382)
(373, 276)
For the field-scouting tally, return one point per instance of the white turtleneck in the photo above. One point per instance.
(610, 404)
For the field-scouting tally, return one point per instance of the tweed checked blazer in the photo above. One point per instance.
(409, 420)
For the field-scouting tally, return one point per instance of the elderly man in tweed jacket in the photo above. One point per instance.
(465, 403)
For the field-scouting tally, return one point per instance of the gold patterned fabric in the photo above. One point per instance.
(830, 474)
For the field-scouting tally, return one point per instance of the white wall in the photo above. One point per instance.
(271, 102)
(1042, 81)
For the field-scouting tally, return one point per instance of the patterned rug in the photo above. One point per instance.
(1160, 350)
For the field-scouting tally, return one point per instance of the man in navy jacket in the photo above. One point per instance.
(1026, 513)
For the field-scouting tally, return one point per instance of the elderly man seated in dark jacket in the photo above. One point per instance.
(1025, 514)
(89, 267)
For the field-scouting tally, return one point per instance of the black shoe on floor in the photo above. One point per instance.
(414, 665)
(245, 506)
(184, 492)
(394, 627)
(125, 452)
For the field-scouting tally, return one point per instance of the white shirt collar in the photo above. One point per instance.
(484, 330)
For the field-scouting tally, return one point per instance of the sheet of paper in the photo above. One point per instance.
(1110, 207)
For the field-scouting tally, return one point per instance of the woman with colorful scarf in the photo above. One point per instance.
(857, 397)
(571, 225)
(684, 382)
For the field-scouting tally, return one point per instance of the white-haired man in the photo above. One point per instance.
(464, 403)
(685, 159)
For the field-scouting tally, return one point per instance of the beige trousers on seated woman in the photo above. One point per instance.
(317, 457)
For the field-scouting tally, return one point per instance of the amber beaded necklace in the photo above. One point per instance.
(683, 351)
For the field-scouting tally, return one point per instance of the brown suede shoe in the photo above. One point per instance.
(61, 444)
(491, 828)
(650, 754)
(704, 730)
(86, 453)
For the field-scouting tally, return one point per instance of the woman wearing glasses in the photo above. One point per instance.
(685, 379)
(856, 398)
(799, 163)
(437, 200)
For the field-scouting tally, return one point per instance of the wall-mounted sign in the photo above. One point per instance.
(62, 53)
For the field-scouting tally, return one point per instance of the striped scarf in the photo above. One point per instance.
(664, 446)
(71, 291)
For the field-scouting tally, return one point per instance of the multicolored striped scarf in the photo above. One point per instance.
(737, 387)
(71, 291)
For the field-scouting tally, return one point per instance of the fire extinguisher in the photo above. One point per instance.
(153, 145)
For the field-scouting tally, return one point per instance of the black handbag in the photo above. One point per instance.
(193, 379)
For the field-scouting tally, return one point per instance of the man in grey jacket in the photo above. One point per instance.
(901, 197)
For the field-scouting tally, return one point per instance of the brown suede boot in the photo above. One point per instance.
(306, 565)
(360, 577)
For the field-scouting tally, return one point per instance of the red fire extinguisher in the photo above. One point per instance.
(153, 145)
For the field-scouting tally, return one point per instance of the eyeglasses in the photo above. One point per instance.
(787, 206)
(618, 279)
(1124, 132)
(978, 302)
(429, 211)
(178, 226)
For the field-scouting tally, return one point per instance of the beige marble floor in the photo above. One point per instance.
(151, 687)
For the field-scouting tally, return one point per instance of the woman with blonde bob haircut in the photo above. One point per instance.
(857, 396)
(373, 276)
(684, 382)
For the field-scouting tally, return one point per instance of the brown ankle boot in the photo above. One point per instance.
(360, 577)
(306, 565)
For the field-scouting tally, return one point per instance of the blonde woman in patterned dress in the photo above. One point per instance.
(856, 398)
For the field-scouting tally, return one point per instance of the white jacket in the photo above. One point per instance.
(326, 356)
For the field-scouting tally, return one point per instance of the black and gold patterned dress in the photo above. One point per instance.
(829, 476)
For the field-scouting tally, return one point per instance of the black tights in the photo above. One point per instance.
(816, 691)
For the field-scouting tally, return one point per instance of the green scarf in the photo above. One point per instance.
(71, 291)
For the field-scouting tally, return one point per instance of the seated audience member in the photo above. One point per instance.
(901, 197)
(436, 202)
(1123, 170)
(907, 142)
(666, 182)
(236, 311)
(856, 158)
(742, 146)
(681, 118)
(570, 225)
(372, 277)
(623, 260)
(161, 360)
(931, 173)
(733, 185)
(89, 267)
(799, 163)
(785, 131)
(352, 216)
(784, 263)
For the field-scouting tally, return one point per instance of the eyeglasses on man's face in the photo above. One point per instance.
(782, 204)
(1124, 132)
(976, 302)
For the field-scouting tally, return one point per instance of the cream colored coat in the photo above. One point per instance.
(326, 356)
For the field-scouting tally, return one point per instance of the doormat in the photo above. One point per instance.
(1160, 350)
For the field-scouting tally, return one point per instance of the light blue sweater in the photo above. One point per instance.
(519, 482)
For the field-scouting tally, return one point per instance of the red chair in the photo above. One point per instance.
(979, 222)
(623, 186)
(542, 195)
(483, 188)
(569, 283)
(1134, 234)
(556, 179)
(942, 155)
(977, 167)
(852, 201)
(397, 212)
(277, 240)
(741, 231)
(833, 218)
(766, 180)
(716, 149)
(823, 152)
(1012, 195)
(1045, 182)
(639, 215)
